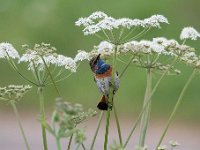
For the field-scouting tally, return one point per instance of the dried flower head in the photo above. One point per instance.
(66, 117)
(14, 92)
(8, 51)
(43, 54)
(70, 115)
(189, 33)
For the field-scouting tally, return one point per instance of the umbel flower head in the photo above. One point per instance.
(8, 51)
(99, 21)
(14, 92)
(189, 33)
(104, 48)
(43, 54)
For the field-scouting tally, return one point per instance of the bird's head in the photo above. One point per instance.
(95, 63)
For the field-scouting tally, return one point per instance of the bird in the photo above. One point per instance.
(103, 78)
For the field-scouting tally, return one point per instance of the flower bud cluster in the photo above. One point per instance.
(14, 92)
(43, 54)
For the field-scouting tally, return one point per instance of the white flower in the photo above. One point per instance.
(84, 22)
(154, 21)
(36, 61)
(99, 21)
(92, 29)
(97, 15)
(70, 64)
(108, 23)
(81, 55)
(125, 22)
(105, 48)
(7, 50)
(189, 33)
(157, 48)
(162, 147)
(133, 46)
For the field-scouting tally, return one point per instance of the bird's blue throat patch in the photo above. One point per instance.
(102, 67)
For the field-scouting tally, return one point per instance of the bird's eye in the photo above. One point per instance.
(96, 67)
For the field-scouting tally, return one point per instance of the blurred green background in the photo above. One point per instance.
(52, 21)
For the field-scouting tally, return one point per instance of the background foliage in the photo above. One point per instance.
(52, 21)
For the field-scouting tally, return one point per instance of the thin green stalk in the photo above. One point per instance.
(35, 73)
(20, 124)
(120, 34)
(118, 126)
(110, 100)
(98, 36)
(149, 99)
(106, 35)
(12, 64)
(127, 35)
(70, 142)
(107, 129)
(58, 144)
(134, 127)
(4, 99)
(42, 114)
(176, 108)
(83, 146)
(51, 77)
(141, 33)
(146, 114)
(126, 67)
(97, 130)
(61, 79)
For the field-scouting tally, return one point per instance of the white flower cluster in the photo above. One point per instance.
(104, 48)
(37, 58)
(158, 45)
(189, 33)
(82, 55)
(14, 92)
(8, 51)
(99, 21)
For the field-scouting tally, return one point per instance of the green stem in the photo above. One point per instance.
(148, 101)
(20, 124)
(107, 129)
(70, 141)
(12, 64)
(127, 35)
(97, 130)
(58, 144)
(83, 146)
(51, 77)
(126, 67)
(110, 100)
(118, 126)
(133, 129)
(146, 114)
(4, 99)
(176, 108)
(42, 114)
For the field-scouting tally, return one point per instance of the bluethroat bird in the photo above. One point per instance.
(103, 79)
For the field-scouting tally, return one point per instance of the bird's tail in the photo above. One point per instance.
(103, 104)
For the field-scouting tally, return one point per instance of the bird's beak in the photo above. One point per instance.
(97, 58)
